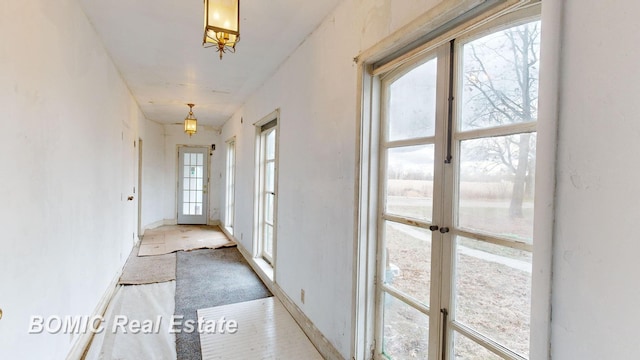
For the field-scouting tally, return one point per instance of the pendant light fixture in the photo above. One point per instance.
(221, 25)
(190, 122)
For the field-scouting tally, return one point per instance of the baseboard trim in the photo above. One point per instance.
(82, 343)
(153, 225)
(170, 222)
(214, 222)
(229, 235)
(322, 344)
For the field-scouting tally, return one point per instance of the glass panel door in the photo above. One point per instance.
(192, 185)
(408, 156)
(493, 236)
(455, 237)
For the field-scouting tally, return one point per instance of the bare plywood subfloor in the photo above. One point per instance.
(265, 331)
(148, 269)
(172, 238)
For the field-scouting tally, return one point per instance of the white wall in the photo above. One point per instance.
(174, 136)
(63, 109)
(316, 92)
(153, 177)
(596, 269)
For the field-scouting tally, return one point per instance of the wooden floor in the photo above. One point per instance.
(265, 331)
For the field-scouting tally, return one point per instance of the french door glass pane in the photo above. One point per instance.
(464, 348)
(496, 185)
(493, 292)
(408, 265)
(193, 184)
(412, 103)
(406, 330)
(500, 78)
(410, 181)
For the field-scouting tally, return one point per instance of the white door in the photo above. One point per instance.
(193, 179)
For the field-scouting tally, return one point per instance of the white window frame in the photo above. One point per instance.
(230, 195)
(259, 198)
(368, 138)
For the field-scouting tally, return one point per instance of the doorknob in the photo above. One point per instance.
(0, 314)
(433, 227)
(130, 198)
(444, 230)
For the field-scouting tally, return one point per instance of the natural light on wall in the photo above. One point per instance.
(221, 25)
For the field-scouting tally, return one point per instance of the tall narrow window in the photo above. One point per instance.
(231, 186)
(455, 226)
(267, 175)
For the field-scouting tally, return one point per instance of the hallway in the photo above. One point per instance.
(382, 166)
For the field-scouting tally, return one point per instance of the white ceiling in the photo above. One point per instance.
(157, 47)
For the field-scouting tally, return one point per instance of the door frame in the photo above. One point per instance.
(383, 57)
(139, 190)
(206, 184)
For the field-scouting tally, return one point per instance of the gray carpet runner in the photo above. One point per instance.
(207, 278)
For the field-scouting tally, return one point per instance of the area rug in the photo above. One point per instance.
(172, 238)
(258, 329)
(148, 269)
(207, 278)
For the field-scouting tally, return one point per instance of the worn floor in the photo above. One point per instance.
(265, 330)
(207, 278)
(214, 281)
(172, 238)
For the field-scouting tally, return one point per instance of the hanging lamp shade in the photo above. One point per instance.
(190, 122)
(221, 25)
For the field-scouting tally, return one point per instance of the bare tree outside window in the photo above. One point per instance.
(501, 87)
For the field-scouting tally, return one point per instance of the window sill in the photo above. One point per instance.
(265, 268)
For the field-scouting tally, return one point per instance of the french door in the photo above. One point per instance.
(267, 175)
(192, 185)
(230, 196)
(457, 161)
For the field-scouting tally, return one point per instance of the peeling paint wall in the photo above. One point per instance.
(67, 227)
(316, 92)
(596, 269)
